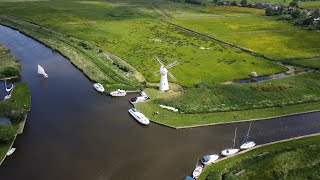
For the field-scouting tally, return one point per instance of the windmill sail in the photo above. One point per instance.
(41, 71)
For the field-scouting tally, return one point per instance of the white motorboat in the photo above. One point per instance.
(209, 159)
(246, 143)
(231, 151)
(99, 87)
(11, 151)
(42, 72)
(141, 118)
(9, 87)
(118, 92)
(197, 171)
(135, 100)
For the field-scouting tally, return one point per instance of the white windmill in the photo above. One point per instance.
(164, 85)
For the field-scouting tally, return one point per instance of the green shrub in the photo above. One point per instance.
(10, 71)
(213, 175)
(7, 133)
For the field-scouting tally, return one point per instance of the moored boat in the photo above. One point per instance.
(11, 151)
(231, 151)
(209, 159)
(98, 87)
(118, 92)
(246, 143)
(141, 118)
(135, 100)
(197, 171)
(9, 87)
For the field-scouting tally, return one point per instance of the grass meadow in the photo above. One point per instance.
(129, 33)
(294, 159)
(250, 29)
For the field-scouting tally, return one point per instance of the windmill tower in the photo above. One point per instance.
(164, 84)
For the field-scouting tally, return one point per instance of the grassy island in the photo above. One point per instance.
(16, 107)
(293, 159)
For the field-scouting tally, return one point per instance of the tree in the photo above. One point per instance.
(295, 14)
(269, 11)
(316, 13)
(6, 133)
(294, 4)
(244, 3)
(234, 3)
(307, 21)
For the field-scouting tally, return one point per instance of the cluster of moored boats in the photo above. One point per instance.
(141, 118)
(169, 108)
(210, 159)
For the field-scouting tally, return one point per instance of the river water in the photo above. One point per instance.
(73, 132)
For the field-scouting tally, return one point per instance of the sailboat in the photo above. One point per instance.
(231, 151)
(246, 144)
(9, 87)
(42, 72)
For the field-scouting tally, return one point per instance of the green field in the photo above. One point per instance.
(250, 29)
(9, 66)
(294, 159)
(313, 62)
(128, 32)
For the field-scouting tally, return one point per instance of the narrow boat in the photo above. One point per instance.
(118, 92)
(42, 72)
(231, 151)
(9, 87)
(246, 144)
(99, 87)
(197, 171)
(11, 151)
(139, 116)
(209, 159)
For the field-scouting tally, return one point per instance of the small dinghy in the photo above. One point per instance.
(99, 87)
(118, 93)
(246, 143)
(135, 100)
(197, 171)
(7, 97)
(139, 116)
(11, 151)
(209, 159)
(231, 151)
(42, 72)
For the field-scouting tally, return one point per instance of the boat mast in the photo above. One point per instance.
(234, 139)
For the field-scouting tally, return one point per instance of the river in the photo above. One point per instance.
(73, 132)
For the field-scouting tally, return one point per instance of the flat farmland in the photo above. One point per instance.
(254, 31)
(129, 33)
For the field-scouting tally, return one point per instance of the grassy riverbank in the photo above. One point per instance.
(93, 61)
(9, 66)
(277, 97)
(294, 159)
(15, 109)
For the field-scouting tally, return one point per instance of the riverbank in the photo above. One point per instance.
(280, 98)
(16, 109)
(297, 157)
(9, 66)
(97, 65)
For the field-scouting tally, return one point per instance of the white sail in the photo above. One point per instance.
(41, 71)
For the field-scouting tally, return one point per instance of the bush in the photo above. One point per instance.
(213, 175)
(10, 71)
(229, 176)
(6, 134)
(17, 115)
